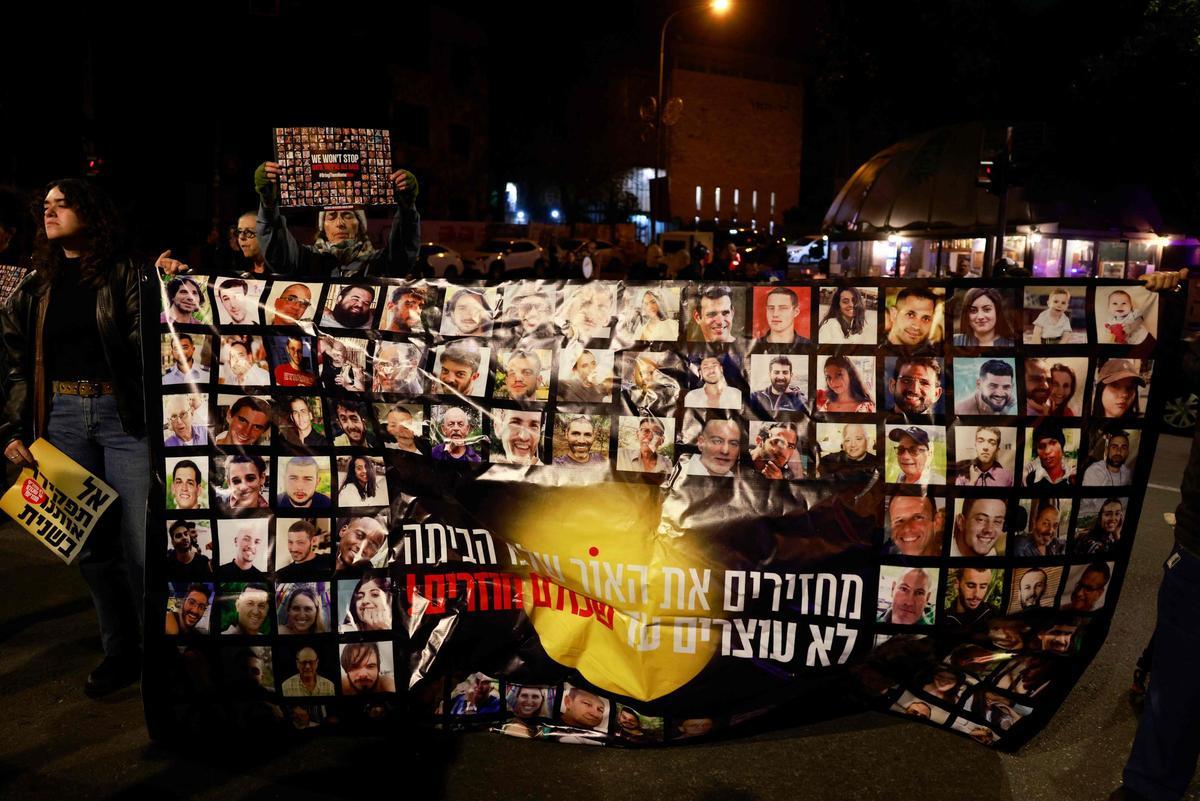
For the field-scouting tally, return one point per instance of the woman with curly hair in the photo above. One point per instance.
(72, 338)
(362, 486)
(844, 390)
(846, 321)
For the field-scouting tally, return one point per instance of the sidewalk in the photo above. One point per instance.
(55, 743)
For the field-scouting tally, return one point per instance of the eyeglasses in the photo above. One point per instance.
(904, 450)
(179, 416)
(248, 233)
(296, 300)
(199, 606)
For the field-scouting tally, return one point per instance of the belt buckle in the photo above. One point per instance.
(88, 389)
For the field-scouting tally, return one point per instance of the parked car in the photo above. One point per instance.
(1179, 414)
(1178, 321)
(496, 257)
(806, 250)
(755, 246)
(439, 261)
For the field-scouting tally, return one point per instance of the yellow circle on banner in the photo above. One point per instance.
(636, 610)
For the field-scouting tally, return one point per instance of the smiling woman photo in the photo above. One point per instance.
(302, 610)
(844, 389)
(845, 322)
(983, 321)
(370, 607)
(363, 484)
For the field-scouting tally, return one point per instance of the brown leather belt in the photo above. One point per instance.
(84, 389)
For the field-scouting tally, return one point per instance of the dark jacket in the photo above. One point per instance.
(286, 256)
(118, 317)
(1172, 310)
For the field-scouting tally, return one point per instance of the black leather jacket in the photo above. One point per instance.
(118, 316)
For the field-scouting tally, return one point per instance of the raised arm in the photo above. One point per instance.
(280, 249)
(404, 240)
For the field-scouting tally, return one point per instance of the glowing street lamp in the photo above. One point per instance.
(718, 8)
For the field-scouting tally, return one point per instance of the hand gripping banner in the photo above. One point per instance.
(619, 513)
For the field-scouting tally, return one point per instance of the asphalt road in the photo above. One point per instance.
(55, 743)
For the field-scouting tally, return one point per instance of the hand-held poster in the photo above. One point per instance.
(329, 167)
(57, 501)
(610, 513)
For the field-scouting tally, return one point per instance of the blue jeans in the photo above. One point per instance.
(113, 560)
(1163, 759)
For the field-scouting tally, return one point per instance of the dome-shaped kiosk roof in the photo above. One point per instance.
(927, 184)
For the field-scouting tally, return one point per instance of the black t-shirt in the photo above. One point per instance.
(231, 572)
(71, 337)
(318, 567)
(196, 570)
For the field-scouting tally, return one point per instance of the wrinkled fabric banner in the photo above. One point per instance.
(638, 513)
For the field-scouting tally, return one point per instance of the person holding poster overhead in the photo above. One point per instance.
(342, 247)
(72, 339)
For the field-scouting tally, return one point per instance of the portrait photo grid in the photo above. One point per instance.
(992, 435)
(333, 167)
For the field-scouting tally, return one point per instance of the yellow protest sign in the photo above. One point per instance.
(58, 502)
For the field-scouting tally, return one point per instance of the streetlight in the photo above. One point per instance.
(717, 7)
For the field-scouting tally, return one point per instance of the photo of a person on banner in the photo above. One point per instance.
(363, 670)
(342, 246)
(186, 613)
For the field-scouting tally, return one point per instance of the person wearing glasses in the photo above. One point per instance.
(912, 456)
(292, 304)
(645, 458)
(182, 433)
(248, 244)
(342, 246)
(191, 611)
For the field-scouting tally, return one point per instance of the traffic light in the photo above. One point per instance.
(993, 175)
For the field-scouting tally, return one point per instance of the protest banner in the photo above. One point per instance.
(329, 167)
(10, 276)
(58, 501)
(641, 513)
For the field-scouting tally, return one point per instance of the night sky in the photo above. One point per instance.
(198, 99)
